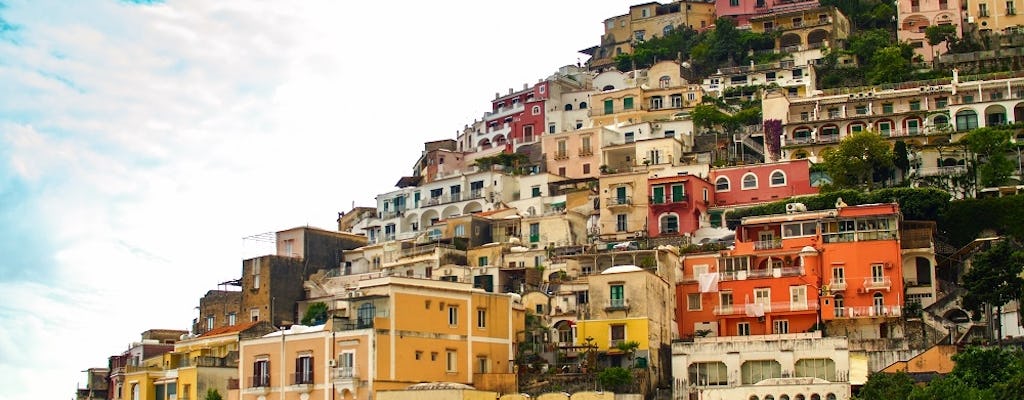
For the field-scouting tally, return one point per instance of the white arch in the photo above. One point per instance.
(728, 184)
(743, 181)
(771, 178)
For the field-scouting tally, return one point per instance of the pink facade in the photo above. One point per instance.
(677, 204)
(761, 183)
(742, 10)
(916, 15)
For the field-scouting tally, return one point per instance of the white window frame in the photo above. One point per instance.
(743, 184)
(780, 326)
(451, 362)
(453, 316)
(728, 184)
(481, 318)
(690, 303)
(743, 329)
(771, 178)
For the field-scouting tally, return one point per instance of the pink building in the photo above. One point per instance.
(916, 15)
(761, 183)
(677, 204)
(742, 10)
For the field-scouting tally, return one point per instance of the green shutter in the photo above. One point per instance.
(609, 106)
(659, 195)
(627, 103)
(677, 193)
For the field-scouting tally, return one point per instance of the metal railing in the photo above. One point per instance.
(868, 311)
(344, 373)
(620, 200)
(768, 244)
(302, 378)
(259, 380)
(617, 303)
(837, 285)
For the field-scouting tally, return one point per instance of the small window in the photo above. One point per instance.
(722, 184)
(778, 178)
(693, 302)
(481, 318)
(536, 110)
(451, 361)
(453, 316)
(749, 181)
(627, 103)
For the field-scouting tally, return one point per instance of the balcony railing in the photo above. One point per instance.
(302, 378)
(344, 373)
(259, 381)
(561, 155)
(617, 304)
(586, 152)
(869, 311)
(620, 201)
(768, 244)
(878, 283)
(667, 199)
(942, 171)
(837, 285)
(748, 309)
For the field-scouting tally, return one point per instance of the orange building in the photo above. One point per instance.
(787, 272)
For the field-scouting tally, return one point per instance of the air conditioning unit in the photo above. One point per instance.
(332, 363)
(888, 265)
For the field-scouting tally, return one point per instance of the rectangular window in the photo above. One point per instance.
(861, 109)
(451, 361)
(658, 195)
(481, 261)
(678, 194)
(780, 326)
(915, 105)
(535, 191)
(763, 296)
(693, 302)
(609, 106)
(618, 334)
(254, 314)
(627, 103)
(725, 301)
(482, 365)
(734, 3)
(481, 318)
(743, 329)
(656, 102)
(232, 319)
(209, 323)
(617, 296)
(941, 102)
(303, 370)
(887, 108)
(261, 373)
(453, 316)
(551, 128)
(628, 137)
(798, 297)
(677, 100)
(586, 168)
(535, 232)
(585, 148)
(620, 223)
(838, 275)
(583, 297)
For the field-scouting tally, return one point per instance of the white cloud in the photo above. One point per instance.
(147, 141)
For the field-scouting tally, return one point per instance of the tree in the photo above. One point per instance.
(866, 44)
(860, 159)
(937, 34)
(991, 146)
(901, 158)
(315, 314)
(615, 379)
(949, 388)
(994, 279)
(883, 386)
(984, 367)
(889, 64)
(213, 394)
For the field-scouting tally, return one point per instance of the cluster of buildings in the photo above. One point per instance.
(580, 224)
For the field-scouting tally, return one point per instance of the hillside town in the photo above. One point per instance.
(776, 223)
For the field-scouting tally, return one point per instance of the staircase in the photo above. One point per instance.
(749, 143)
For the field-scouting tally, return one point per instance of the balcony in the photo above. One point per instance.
(669, 199)
(259, 385)
(748, 309)
(616, 305)
(837, 285)
(391, 214)
(869, 311)
(878, 283)
(586, 152)
(768, 244)
(561, 155)
(302, 381)
(345, 378)
(620, 201)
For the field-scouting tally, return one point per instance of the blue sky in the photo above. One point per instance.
(140, 141)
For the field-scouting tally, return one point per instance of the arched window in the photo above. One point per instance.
(536, 110)
(966, 120)
(583, 105)
(749, 181)
(940, 120)
(839, 306)
(754, 371)
(607, 88)
(778, 178)
(666, 30)
(878, 301)
(664, 81)
(722, 184)
(568, 107)
(669, 224)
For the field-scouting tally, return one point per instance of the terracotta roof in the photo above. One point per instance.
(229, 329)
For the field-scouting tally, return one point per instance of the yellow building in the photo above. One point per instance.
(386, 334)
(624, 205)
(991, 16)
(658, 93)
(645, 21)
(629, 304)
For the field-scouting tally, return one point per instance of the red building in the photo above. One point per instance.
(515, 118)
(787, 272)
(761, 183)
(677, 204)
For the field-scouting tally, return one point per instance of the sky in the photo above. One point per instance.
(141, 141)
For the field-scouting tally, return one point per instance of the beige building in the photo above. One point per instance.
(386, 334)
(779, 366)
(993, 16)
(643, 22)
(804, 34)
(624, 205)
(658, 93)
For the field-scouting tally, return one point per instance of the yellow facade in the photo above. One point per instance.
(633, 206)
(600, 330)
(397, 331)
(645, 21)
